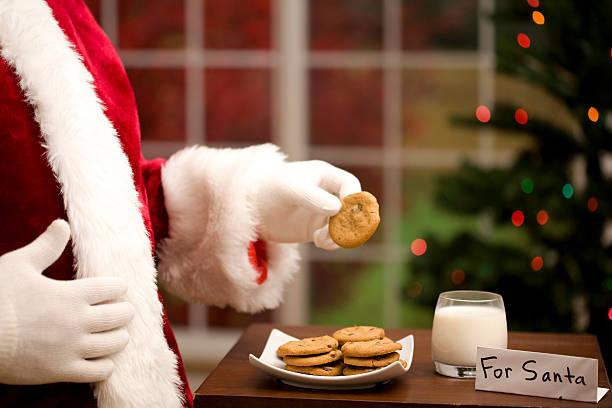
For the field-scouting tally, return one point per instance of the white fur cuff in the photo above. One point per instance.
(212, 222)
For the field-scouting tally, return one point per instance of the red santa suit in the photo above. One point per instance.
(70, 148)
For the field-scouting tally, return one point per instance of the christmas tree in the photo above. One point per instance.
(555, 274)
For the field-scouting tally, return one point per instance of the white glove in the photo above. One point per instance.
(294, 202)
(57, 331)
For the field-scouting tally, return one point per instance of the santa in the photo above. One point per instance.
(81, 324)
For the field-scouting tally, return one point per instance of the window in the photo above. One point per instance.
(368, 85)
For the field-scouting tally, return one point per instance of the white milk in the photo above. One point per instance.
(458, 330)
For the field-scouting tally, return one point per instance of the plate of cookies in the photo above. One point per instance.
(351, 358)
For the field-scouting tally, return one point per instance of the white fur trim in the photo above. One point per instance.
(211, 223)
(108, 233)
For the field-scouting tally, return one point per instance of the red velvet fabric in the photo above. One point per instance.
(258, 258)
(30, 197)
(151, 172)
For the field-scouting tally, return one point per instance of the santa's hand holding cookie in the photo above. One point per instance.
(295, 202)
(226, 200)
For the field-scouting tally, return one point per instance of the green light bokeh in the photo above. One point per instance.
(527, 185)
(568, 191)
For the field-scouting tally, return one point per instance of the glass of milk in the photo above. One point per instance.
(465, 319)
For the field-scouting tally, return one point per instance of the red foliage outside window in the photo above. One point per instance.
(151, 24)
(237, 105)
(237, 24)
(345, 24)
(346, 107)
(160, 97)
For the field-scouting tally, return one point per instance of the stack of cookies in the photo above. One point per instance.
(364, 348)
(365, 356)
(312, 355)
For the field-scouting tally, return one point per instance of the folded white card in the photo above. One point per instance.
(538, 374)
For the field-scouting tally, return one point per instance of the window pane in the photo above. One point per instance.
(238, 24)
(229, 318)
(151, 24)
(431, 98)
(160, 90)
(345, 24)
(371, 179)
(346, 107)
(237, 105)
(440, 24)
(346, 293)
(414, 314)
(422, 217)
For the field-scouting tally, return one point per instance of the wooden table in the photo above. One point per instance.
(235, 383)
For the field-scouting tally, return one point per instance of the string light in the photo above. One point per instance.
(457, 277)
(521, 116)
(418, 247)
(593, 114)
(518, 218)
(534, 3)
(415, 289)
(542, 217)
(568, 191)
(527, 185)
(523, 40)
(483, 114)
(538, 17)
(592, 204)
(537, 263)
(610, 313)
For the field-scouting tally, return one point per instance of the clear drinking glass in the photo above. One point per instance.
(465, 319)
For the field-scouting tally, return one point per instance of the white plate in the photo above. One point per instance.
(271, 364)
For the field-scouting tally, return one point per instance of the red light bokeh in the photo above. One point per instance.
(418, 247)
(537, 263)
(592, 204)
(542, 217)
(521, 116)
(457, 277)
(518, 218)
(483, 114)
(523, 40)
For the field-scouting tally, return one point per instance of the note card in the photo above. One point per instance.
(537, 374)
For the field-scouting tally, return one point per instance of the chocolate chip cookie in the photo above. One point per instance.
(356, 221)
